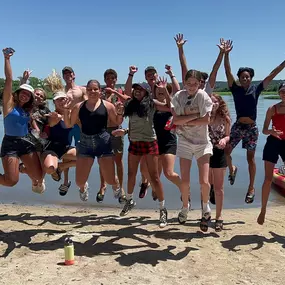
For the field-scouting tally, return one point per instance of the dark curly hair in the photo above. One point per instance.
(27, 107)
(247, 69)
(141, 108)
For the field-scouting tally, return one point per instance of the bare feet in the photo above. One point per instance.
(261, 218)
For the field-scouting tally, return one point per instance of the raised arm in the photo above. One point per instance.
(70, 117)
(129, 82)
(53, 118)
(217, 64)
(174, 81)
(161, 86)
(230, 77)
(180, 42)
(273, 73)
(8, 102)
(26, 75)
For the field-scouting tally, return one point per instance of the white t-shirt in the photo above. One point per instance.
(201, 104)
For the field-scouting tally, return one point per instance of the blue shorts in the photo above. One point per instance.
(98, 145)
(75, 134)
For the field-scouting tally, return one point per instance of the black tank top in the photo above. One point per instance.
(159, 121)
(94, 122)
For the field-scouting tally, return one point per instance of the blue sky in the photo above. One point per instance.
(92, 36)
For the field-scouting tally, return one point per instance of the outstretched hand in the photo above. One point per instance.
(221, 46)
(53, 115)
(118, 133)
(26, 74)
(228, 46)
(162, 82)
(179, 39)
(276, 133)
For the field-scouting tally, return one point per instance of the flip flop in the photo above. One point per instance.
(204, 224)
(56, 176)
(219, 225)
(232, 176)
(249, 198)
(64, 188)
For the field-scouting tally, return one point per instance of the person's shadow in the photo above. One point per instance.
(152, 256)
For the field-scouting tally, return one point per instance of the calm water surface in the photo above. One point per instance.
(234, 195)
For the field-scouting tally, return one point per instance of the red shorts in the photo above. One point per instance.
(143, 148)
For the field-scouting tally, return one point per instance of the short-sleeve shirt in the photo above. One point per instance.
(141, 129)
(246, 99)
(201, 104)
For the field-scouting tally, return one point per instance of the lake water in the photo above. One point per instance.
(234, 195)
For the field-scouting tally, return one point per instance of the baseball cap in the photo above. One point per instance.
(67, 68)
(150, 68)
(59, 94)
(26, 87)
(143, 85)
(281, 86)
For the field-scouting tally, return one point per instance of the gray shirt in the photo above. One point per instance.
(201, 104)
(142, 129)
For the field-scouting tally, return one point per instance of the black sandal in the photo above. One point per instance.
(219, 226)
(122, 199)
(100, 197)
(249, 198)
(212, 195)
(204, 224)
(64, 188)
(232, 176)
(56, 176)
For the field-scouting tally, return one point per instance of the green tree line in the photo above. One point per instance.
(221, 86)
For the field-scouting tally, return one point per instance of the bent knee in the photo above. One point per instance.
(49, 169)
(10, 182)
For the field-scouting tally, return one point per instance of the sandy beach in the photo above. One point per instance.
(134, 250)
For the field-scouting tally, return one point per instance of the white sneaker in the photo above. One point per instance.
(163, 218)
(39, 188)
(84, 195)
(182, 216)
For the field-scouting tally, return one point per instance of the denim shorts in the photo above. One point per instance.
(98, 145)
(16, 146)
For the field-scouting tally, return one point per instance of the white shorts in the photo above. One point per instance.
(187, 150)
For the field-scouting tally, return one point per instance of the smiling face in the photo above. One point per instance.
(245, 79)
(151, 77)
(159, 95)
(139, 93)
(59, 104)
(110, 80)
(68, 76)
(93, 90)
(24, 96)
(40, 96)
(192, 85)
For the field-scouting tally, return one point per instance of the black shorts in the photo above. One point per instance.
(167, 149)
(116, 142)
(218, 159)
(16, 146)
(39, 143)
(273, 148)
(57, 149)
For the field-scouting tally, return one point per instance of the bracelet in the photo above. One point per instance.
(172, 76)
(126, 131)
(131, 75)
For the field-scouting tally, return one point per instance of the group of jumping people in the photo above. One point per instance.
(164, 121)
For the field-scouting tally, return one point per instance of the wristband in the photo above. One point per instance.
(131, 75)
(126, 131)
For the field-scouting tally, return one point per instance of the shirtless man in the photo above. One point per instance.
(76, 94)
(111, 94)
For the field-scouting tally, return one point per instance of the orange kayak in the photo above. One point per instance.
(279, 180)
